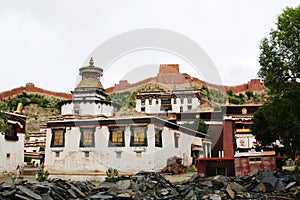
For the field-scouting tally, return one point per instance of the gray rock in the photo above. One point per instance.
(222, 178)
(290, 185)
(230, 191)
(100, 197)
(207, 183)
(29, 193)
(46, 197)
(237, 187)
(123, 184)
(279, 186)
(105, 185)
(191, 195)
(215, 197)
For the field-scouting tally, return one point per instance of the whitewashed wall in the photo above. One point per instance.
(88, 108)
(101, 157)
(155, 108)
(16, 151)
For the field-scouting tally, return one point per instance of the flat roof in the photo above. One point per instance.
(121, 121)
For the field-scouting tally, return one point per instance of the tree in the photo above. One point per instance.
(198, 125)
(261, 128)
(4, 126)
(280, 71)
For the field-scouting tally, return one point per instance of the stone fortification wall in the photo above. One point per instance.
(30, 88)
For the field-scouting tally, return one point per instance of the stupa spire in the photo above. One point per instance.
(91, 62)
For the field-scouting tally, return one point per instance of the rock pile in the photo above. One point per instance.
(150, 185)
(174, 166)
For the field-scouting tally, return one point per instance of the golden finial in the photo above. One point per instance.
(91, 62)
(227, 100)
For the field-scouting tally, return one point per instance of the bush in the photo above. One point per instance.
(112, 174)
(42, 175)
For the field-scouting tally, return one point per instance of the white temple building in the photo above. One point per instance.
(88, 138)
(155, 102)
(12, 144)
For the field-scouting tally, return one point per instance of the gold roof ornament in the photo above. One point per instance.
(227, 100)
(90, 76)
(244, 111)
(91, 62)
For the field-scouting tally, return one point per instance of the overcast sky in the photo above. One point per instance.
(46, 42)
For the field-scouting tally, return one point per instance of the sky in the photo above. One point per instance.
(46, 42)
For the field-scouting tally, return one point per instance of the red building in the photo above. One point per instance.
(232, 140)
(250, 162)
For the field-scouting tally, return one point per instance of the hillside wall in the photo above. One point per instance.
(30, 88)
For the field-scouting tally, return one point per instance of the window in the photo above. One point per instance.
(58, 138)
(87, 138)
(255, 160)
(118, 154)
(189, 107)
(57, 154)
(189, 100)
(76, 108)
(8, 155)
(138, 136)
(174, 101)
(86, 154)
(176, 140)
(158, 138)
(12, 134)
(116, 137)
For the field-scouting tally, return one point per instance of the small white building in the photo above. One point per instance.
(155, 102)
(87, 137)
(34, 148)
(12, 144)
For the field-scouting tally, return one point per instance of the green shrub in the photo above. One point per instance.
(42, 175)
(112, 174)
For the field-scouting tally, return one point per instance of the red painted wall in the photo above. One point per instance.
(30, 88)
(243, 167)
(228, 139)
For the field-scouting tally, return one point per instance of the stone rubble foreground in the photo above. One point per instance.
(150, 185)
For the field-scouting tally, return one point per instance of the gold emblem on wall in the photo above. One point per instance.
(244, 111)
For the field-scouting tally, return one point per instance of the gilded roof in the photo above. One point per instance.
(90, 82)
(90, 76)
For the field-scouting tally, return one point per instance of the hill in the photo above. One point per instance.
(170, 76)
(31, 88)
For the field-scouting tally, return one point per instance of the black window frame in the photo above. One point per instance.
(132, 143)
(12, 134)
(176, 140)
(158, 132)
(81, 142)
(53, 137)
(110, 142)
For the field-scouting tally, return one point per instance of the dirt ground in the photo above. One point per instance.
(7, 179)
(172, 178)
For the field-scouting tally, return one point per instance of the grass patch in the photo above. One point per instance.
(190, 170)
(179, 182)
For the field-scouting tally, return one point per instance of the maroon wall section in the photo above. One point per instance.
(228, 139)
(30, 88)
